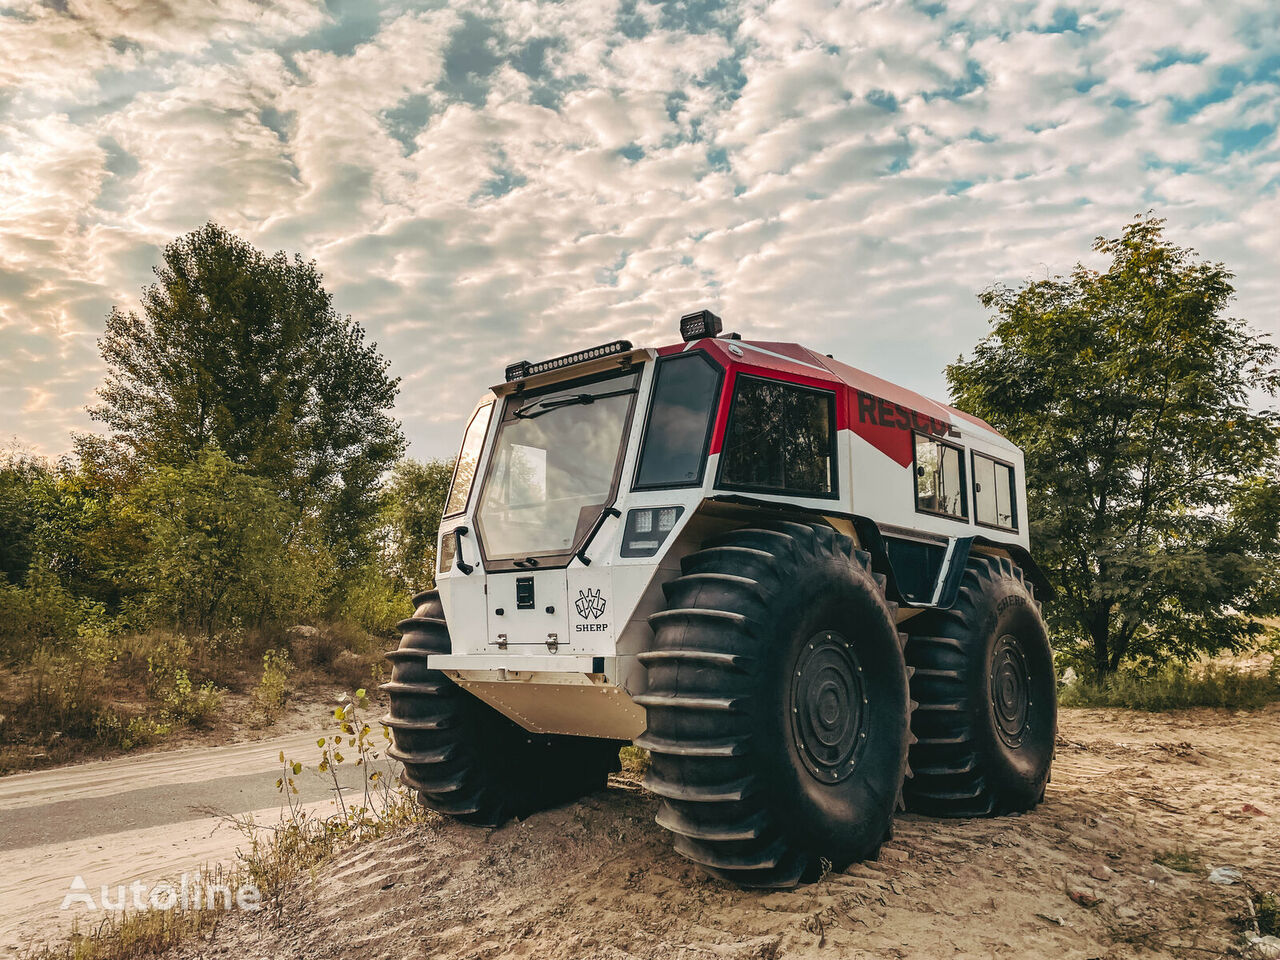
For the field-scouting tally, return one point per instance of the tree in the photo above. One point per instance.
(245, 351)
(221, 544)
(415, 503)
(21, 476)
(1152, 481)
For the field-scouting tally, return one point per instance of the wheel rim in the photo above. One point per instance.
(1010, 687)
(828, 707)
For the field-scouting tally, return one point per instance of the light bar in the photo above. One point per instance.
(704, 323)
(523, 368)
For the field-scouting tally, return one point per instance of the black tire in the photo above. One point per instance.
(987, 693)
(465, 758)
(777, 705)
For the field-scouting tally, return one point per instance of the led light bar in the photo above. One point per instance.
(523, 368)
(704, 323)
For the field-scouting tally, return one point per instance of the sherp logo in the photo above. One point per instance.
(590, 604)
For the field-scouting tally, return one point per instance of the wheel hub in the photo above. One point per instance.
(828, 706)
(1010, 686)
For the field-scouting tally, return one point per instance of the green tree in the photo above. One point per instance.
(245, 351)
(222, 544)
(414, 504)
(21, 477)
(1152, 480)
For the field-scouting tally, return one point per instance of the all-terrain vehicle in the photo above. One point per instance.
(805, 591)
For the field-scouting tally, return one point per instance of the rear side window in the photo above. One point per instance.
(685, 390)
(780, 439)
(993, 493)
(939, 478)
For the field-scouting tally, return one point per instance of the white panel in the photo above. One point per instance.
(531, 626)
(592, 610)
(464, 611)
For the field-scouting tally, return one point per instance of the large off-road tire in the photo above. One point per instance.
(465, 758)
(778, 709)
(987, 693)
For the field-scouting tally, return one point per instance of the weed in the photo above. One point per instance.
(126, 936)
(635, 761)
(278, 854)
(1266, 912)
(1181, 859)
(273, 689)
(1175, 686)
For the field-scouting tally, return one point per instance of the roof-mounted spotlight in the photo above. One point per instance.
(704, 323)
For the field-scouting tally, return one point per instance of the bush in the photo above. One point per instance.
(221, 544)
(1174, 686)
(273, 689)
(40, 613)
(373, 602)
(65, 696)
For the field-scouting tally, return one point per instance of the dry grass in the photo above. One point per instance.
(276, 856)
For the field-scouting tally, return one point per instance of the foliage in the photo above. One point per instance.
(414, 504)
(169, 683)
(20, 476)
(1153, 489)
(273, 689)
(1174, 686)
(1266, 912)
(41, 613)
(218, 546)
(244, 351)
(373, 601)
(277, 856)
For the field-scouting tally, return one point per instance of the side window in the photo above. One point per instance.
(674, 453)
(464, 471)
(939, 478)
(993, 493)
(780, 438)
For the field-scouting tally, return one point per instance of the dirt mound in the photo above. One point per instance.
(1076, 878)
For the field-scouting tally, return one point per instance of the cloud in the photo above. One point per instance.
(519, 178)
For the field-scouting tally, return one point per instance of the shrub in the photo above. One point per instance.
(40, 613)
(1175, 685)
(273, 689)
(218, 546)
(166, 662)
(65, 695)
(373, 602)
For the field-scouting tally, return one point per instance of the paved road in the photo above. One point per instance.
(149, 818)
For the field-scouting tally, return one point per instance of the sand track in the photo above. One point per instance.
(598, 879)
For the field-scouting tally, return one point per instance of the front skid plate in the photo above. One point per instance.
(578, 704)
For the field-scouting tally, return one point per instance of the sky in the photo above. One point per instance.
(492, 180)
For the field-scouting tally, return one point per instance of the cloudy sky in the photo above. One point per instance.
(487, 180)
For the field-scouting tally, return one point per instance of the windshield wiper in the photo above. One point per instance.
(539, 407)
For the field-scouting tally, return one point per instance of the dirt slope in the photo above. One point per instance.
(598, 879)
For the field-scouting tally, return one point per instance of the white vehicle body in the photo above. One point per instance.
(552, 642)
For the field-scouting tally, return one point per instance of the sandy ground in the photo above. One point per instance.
(1077, 878)
(146, 817)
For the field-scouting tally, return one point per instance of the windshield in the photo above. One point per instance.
(554, 466)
